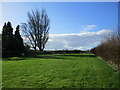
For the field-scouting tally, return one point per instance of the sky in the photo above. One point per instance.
(73, 25)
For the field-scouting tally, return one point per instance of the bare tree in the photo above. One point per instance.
(37, 29)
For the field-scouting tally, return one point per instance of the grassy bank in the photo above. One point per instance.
(58, 71)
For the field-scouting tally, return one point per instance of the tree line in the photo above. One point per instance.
(36, 30)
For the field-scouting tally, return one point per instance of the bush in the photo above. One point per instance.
(109, 49)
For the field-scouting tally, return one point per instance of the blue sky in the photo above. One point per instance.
(67, 17)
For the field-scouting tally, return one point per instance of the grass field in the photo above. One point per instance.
(58, 71)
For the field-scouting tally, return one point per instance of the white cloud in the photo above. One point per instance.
(76, 41)
(103, 31)
(82, 41)
(89, 27)
(81, 48)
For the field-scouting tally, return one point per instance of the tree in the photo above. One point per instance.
(12, 45)
(19, 41)
(37, 29)
(7, 38)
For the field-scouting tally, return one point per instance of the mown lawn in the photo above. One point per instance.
(58, 71)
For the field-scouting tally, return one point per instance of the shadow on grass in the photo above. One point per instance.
(79, 55)
(48, 56)
(13, 59)
(62, 56)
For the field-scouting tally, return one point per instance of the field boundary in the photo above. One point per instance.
(114, 67)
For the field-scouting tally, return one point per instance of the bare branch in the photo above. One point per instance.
(37, 28)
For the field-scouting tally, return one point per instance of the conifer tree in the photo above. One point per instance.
(4, 32)
(12, 45)
(7, 37)
(19, 40)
